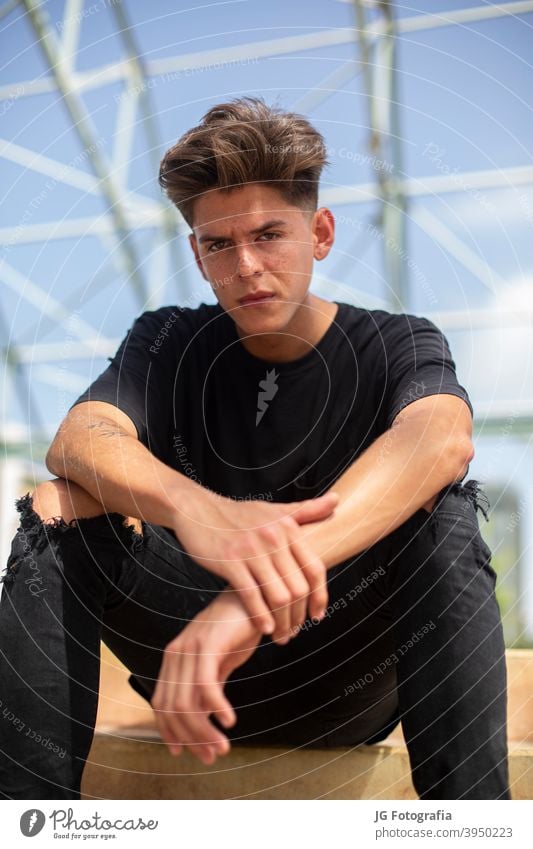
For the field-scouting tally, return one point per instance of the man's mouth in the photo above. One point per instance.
(255, 298)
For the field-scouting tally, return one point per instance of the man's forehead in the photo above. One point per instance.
(241, 209)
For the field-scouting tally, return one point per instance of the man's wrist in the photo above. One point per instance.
(179, 500)
(321, 536)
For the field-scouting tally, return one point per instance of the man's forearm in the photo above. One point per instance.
(97, 448)
(118, 470)
(396, 475)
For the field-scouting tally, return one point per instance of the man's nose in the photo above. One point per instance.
(247, 261)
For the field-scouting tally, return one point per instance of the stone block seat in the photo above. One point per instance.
(128, 760)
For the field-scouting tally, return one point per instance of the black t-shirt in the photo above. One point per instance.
(251, 429)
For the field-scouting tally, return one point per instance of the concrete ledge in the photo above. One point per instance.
(137, 765)
(129, 761)
(140, 767)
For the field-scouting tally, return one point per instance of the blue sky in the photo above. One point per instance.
(465, 95)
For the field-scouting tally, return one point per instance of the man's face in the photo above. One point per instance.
(257, 253)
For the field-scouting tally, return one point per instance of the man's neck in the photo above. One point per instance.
(304, 332)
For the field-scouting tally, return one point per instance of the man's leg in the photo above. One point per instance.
(68, 586)
(331, 685)
(60, 583)
(449, 650)
(413, 632)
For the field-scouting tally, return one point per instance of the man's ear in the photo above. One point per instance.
(194, 245)
(323, 227)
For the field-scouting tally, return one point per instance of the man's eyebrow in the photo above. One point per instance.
(275, 222)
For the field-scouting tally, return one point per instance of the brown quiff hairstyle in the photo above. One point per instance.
(245, 141)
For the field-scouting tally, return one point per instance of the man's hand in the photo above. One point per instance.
(256, 546)
(195, 667)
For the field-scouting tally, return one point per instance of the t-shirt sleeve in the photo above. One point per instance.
(418, 363)
(136, 379)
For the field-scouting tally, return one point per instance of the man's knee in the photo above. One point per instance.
(59, 498)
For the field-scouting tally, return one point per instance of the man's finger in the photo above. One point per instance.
(161, 704)
(313, 509)
(316, 575)
(208, 740)
(294, 578)
(198, 733)
(212, 698)
(276, 593)
(253, 599)
(179, 671)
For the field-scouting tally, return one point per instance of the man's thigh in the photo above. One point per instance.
(313, 679)
(168, 590)
(332, 684)
(341, 674)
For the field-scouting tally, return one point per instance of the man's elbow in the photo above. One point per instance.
(468, 456)
(57, 456)
(454, 431)
(459, 453)
(55, 459)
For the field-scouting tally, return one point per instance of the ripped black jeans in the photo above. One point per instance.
(412, 632)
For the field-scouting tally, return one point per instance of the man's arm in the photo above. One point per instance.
(428, 447)
(255, 546)
(96, 446)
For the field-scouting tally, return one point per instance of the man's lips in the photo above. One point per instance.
(256, 298)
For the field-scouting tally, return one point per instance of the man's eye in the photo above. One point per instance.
(270, 236)
(216, 246)
(220, 244)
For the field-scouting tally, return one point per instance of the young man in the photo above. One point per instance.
(258, 508)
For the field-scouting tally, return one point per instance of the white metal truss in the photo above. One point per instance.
(127, 211)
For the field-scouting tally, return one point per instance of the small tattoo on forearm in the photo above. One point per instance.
(106, 429)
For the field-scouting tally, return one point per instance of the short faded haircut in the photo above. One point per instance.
(245, 141)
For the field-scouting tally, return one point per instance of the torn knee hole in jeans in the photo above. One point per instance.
(472, 494)
(472, 490)
(33, 535)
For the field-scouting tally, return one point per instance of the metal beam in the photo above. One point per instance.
(74, 228)
(8, 7)
(253, 51)
(168, 244)
(412, 187)
(23, 387)
(81, 121)
(481, 319)
(455, 246)
(46, 304)
(72, 16)
(76, 299)
(493, 417)
(68, 175)
(60, 378)
(379, 74)
(330, 84)
(333, 289)
(50, 352)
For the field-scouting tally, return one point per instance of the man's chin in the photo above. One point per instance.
(263, 319)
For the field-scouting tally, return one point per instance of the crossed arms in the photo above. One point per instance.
(274, 556)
